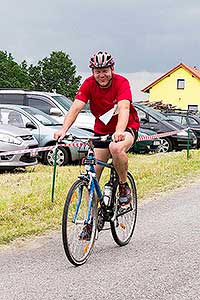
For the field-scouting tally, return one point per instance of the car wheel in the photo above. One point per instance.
(165, 145)
(62, 157)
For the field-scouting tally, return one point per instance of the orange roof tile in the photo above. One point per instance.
(193, 71)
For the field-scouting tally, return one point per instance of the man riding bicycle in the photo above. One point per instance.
(110, 102)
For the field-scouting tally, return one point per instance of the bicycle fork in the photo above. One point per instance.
(80, 192)
(91, 188)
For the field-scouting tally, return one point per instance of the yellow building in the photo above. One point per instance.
(180, 87)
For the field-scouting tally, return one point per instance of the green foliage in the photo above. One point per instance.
(56, 72)
(12, 75)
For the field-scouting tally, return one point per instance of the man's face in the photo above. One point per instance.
(103, 76)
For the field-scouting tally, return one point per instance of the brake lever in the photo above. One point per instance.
(107, 138)
(66, 137)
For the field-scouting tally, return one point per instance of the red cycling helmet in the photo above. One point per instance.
(101, 59)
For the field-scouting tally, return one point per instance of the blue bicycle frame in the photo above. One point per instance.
(93, 184)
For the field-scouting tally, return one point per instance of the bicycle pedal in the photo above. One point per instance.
(108, 228)
(97, 234)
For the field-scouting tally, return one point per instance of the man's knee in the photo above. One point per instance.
(116, 149)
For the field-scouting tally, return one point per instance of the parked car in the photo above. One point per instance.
(154, 120)
(43, 126)
(15, 139)
(186, 118)
(53, 104)
(146, 146)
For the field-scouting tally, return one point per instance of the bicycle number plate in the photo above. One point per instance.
(87, 161)
(34, 153)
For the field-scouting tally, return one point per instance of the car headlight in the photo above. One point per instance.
(182, 133)
(7, 138)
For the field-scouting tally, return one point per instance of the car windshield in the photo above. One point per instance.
(66, 102)
(154, 113)
(41, 116)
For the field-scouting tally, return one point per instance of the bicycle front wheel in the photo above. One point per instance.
(74, 219)
(123, 225)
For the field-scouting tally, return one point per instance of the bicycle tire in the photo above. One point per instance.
(77, 250)
(123, 226)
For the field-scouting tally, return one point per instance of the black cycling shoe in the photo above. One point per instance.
(124, 194)
(86, 233)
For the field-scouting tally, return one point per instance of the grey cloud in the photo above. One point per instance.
(142, 35)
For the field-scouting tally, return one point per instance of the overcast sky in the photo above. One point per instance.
(146, 37)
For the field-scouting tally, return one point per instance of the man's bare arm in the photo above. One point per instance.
(69, 119)
(123, 117)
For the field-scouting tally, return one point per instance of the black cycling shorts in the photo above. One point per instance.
(104, 145)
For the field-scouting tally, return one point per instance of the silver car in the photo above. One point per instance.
(43, 126)
(53, 104)
(15, 139)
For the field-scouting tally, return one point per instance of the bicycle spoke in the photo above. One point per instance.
(74, 220)
(123, 226)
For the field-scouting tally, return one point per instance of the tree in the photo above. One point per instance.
(56, 72)
(13, 75)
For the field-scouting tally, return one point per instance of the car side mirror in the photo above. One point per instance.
(144, 120)
(54, 111)
(30, 125)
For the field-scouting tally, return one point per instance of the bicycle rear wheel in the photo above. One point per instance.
(74, 216)
(122, 227)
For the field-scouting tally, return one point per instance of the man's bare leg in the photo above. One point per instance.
(120, 159)
(101, 154)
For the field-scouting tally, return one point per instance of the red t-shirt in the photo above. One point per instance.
(103, 99)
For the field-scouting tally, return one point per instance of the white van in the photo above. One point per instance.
(53, 104)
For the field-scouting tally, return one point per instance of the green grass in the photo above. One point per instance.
(25, 197)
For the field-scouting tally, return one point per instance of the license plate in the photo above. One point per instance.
(156, 143)
(34, 153)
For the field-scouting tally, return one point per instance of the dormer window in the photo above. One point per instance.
(180, 84)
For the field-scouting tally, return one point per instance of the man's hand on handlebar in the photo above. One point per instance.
(118, 136)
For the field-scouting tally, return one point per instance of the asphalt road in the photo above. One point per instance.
(161, 262)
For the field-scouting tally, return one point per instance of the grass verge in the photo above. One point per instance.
(25, 197)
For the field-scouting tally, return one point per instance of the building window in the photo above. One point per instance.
(180, 84)
(193, 107)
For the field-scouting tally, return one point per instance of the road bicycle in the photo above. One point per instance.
(87, 204)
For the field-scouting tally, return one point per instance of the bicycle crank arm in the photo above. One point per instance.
(123, 211)
(115, 214)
